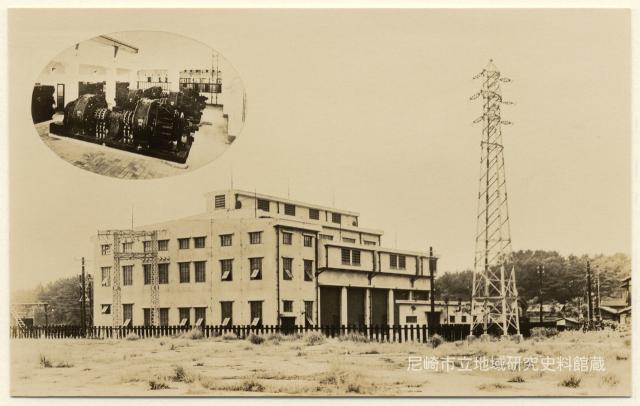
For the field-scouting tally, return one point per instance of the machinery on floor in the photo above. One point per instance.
(187, 100)
(42, 103)
(148, 122)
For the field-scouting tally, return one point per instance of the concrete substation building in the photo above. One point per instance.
(253, 259)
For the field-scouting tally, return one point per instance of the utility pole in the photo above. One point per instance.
(83, 300)
(597, 305)
(589, 296)
(540, 270)
(433, 262)
(446, 305)
(46, 315)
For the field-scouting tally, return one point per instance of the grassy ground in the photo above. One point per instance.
(306, 366)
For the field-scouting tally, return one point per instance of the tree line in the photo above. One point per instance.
(563, 281)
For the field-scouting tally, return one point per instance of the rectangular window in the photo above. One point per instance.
(106, 275)
(226, 268)
(314, 214)
(326, 237)
(163, 245)
(127, 275)
(263, 205)
(402, 262)
(185, 316)
(255, 268)
(287, 238)
(420, 295)
(452, 319)
(289, 209)
(393, 261)
(463, 319)
(308, 241)
(164, 316)
(226, 240)
(105, 309)
(219, 201)
(185, 271)
(308, 270)
(349, 240)
(256, 312)
(200, 270)
(366, 242)
(412, 319)
(201, 316)
(308, 313)
(146, 269)
(127, 247)
(147, 316)
(287, 268)
(255, 237)
(146, 246)
(355, 257)
(287, 306)
(105, 249)
(227, 313)
(199, 242)
(127, 314)
(163, 273)
(183, 243)
(346, 256)
(336, 218)
(402, 295)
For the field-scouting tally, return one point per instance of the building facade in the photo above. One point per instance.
(254, 259)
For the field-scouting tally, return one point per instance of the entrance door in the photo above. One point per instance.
(288, 325)
(60, 97)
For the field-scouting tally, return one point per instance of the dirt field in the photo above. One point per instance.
(314, 366)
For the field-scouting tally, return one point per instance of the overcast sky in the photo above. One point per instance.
(370, 111)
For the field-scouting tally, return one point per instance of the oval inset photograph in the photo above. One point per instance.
(139, 104)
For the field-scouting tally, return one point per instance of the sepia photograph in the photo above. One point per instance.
(418, 203)
(150, 94)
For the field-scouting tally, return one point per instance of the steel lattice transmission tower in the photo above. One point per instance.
(494, 301)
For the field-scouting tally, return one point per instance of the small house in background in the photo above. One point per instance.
(449, 312)
(618, 308)
(550, 312)
(566, 323)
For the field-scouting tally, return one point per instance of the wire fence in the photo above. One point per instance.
(397, 333)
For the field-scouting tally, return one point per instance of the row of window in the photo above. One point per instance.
(226, 316)
(184, 270)
(289, 209)
(352, 257)
(255, 267)
(226, 240)
(287, 239)
(452, 319)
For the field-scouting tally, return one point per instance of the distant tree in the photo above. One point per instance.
(454, 285)
(63, 297)
(564, 278)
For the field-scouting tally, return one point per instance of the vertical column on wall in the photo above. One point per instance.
(367, 307)
(173, 76)
(391, 308)
(110, 87)
(344, 312)
(318, 319)
(71, 88)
